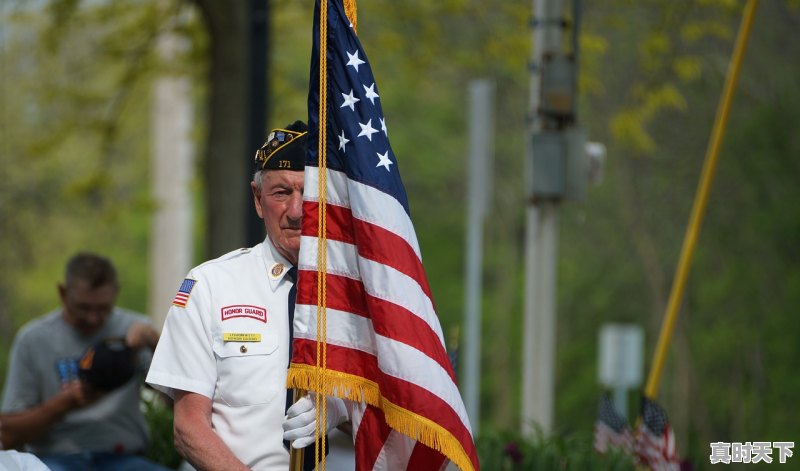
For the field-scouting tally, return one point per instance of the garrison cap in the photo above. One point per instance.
(285, 149)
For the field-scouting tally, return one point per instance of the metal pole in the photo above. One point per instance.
(481, 125)
(541, 241)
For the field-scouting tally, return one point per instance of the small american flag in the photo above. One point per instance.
(655, 440)
(385, 348)
(182, 297)
(611, 430)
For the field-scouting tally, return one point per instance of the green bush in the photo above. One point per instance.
(159, 419)
(497, 451)
(506, 451)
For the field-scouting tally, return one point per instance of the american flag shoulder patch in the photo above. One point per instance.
(183, 292)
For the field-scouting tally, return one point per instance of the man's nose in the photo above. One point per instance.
(94, 317)
(295, 210)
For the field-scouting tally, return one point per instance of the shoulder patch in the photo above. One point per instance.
(183, 292)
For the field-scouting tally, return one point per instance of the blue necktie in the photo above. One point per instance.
(292, 277)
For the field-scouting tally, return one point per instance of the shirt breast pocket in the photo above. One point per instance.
(249, 373)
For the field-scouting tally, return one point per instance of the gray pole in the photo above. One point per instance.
(481, 127)
(541, 245)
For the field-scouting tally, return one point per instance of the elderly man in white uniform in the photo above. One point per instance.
(224, 350)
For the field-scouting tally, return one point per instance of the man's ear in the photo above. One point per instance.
(257, 199)
(62, 292)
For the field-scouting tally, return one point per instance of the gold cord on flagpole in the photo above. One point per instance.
(700, 201)
(322, 234)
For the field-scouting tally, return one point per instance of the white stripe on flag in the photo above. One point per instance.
(382, 281)
(366, 203)
(395, 358)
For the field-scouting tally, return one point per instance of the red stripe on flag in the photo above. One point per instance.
(339, 225)
(422, 402)
(346, 360)
(373, 242)
(344, 294)
(370, 437)
(388, 319)
(425, 458)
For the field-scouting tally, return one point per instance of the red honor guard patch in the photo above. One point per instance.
(243, 310)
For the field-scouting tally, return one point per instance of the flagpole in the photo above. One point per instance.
(322, 235)
(700, 201)
(296, 454)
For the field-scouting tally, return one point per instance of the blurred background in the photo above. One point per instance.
(128, 128)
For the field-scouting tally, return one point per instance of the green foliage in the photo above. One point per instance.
(74, 148)
(507, 451)
(159, 421)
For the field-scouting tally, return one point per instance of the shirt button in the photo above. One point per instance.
(243, 349)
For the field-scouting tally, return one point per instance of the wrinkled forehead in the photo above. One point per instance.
(282, 178)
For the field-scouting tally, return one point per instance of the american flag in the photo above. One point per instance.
(385, 348)
(611, 430)
(182, 296)
(655, 440)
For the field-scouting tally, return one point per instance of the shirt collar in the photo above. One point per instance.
(275, 264)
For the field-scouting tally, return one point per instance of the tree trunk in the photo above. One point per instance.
(226, 156)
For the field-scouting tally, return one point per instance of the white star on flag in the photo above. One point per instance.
(354, 60)
(349, 100)
(370, 92)
(383, 127)
(343, 141)
(384, 160)
(367, 130)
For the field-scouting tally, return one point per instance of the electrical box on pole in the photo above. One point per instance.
(558, 89)
(560, 164)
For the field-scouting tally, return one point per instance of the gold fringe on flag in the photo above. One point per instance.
(350, 11)
(358, 389)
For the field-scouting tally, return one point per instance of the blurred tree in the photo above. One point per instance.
(74, 130)
(227, 147)
(72, 133)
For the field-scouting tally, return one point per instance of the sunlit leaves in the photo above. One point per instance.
(687, 68)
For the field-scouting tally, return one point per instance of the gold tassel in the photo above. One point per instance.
(350, 10)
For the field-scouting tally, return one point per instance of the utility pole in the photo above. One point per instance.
(555, 169)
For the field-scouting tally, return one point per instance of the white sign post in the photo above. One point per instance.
(620, 364)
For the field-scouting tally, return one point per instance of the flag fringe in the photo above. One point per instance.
(358, 389)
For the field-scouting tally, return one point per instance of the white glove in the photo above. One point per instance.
(300, 423)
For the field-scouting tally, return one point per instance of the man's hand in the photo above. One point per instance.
(141, 335)
(300, 423)
(78, 394)
(31, 424)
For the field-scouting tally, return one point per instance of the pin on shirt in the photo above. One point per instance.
(276, 270)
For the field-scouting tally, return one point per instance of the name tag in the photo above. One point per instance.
(240, 337)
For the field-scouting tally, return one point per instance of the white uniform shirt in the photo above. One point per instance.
(229, 342)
